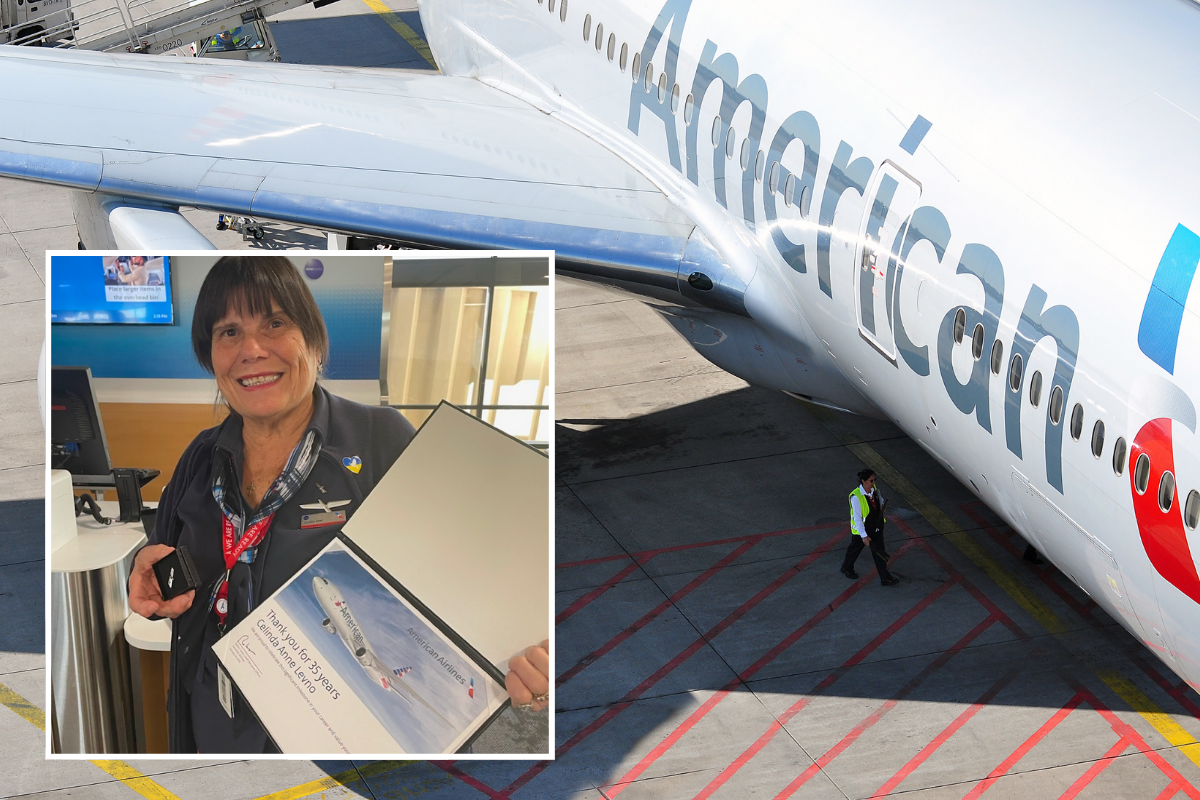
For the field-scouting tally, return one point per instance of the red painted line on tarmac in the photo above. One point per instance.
(586, 562)
(654, 613)
(449, 768)
(1126, 731)
(951, 729)
(828, 681)
(643, 555)
(877, 715)
(971, 588)
(1047, 576)
(1026, 746)
(1169, 792)
(621, 575)
(683, 656)
(1105, 760)
(1177, 691)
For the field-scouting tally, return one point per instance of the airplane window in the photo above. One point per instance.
(773, 183)
(612, 46)
(1014, 373)
(997, 356)
(789, 189)
(745, 154)
(675, 98)
(1076, 421)
(624, 55)
(716, 134)
(1098, 438)
(662, 87)
(977, 342)
(599, 36)
(1166, 491)
(1191, 510)
(689, 106)
(649, 81)
(587, 27)
(1056, 405)
(1141, 473)
(562, 10)
(760, 162)
(960, 325)
(805, 197)
(636, 72)
(730, 138)
(1035, 388)
(1119, 456)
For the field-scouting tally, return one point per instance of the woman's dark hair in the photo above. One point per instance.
(248, 284)
(865, 474)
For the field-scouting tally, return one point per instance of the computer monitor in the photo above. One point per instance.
(77, 442)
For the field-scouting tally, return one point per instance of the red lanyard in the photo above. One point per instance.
(233, 550)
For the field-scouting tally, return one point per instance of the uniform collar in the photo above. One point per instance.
(230, 437)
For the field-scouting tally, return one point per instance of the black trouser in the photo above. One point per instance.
(856, 547)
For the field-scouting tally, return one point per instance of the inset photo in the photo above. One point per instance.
(299, 503)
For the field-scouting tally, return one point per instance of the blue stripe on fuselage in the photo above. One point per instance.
(1158, 334)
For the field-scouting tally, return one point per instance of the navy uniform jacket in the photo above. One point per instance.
(188, 514)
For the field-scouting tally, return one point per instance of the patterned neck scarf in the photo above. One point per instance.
(295, 472)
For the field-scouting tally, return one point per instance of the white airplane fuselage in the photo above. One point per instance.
(341, 621)
(866, 171)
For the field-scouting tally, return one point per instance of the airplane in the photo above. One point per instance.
(979, 221)
(322, 505)
(340, 622)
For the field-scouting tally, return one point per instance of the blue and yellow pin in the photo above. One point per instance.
(352, 463)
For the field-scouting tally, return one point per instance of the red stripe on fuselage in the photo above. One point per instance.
(1162, 531)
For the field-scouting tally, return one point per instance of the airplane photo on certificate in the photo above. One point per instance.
(366, 672)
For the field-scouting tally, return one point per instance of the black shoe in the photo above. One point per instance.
(222, 226)
(890, 582)
(849, 573)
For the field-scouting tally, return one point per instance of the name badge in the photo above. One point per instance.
(225, 690)
(322, 518)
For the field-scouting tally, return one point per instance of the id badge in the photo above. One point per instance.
(322, 518)
(225, 690)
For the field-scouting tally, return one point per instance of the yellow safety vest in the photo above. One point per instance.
(864, 504)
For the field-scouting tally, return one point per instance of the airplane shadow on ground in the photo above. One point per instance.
(353, 40)
(754, 461)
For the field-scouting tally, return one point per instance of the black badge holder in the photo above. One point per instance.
(176, 573)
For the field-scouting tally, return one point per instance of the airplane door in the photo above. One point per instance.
(892, 197)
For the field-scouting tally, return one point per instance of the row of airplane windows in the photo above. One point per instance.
(1141, 469)
(609, 47)
(562, 8)
(1141, 476)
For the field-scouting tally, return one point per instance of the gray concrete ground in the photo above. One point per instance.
(707, 644)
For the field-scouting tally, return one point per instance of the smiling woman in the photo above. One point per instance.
(235, 498)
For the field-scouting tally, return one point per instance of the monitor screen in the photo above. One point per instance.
(77, 440)
(111, 290)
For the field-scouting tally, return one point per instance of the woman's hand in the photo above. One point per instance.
(145, 597)
(529, 676)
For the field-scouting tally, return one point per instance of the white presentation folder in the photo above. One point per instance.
(441, 576)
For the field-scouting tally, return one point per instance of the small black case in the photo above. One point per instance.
(176, 573)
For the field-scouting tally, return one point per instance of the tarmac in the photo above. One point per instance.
(706, 643)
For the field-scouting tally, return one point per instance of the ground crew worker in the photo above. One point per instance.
(866, 521)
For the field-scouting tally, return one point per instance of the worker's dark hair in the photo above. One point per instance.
(862, 476)
(248, 285)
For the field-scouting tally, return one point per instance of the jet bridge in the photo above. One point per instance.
(138, 26)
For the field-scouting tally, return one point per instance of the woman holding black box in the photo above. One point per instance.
(234, 500)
